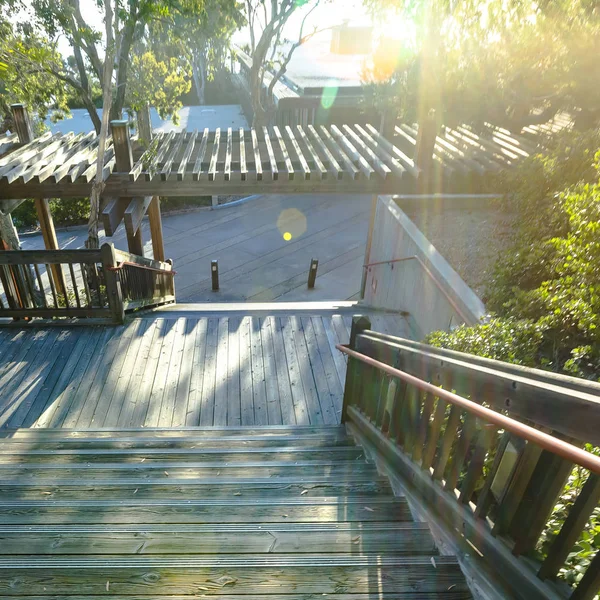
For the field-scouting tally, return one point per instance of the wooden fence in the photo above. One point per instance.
(101, 284)
(492, 475)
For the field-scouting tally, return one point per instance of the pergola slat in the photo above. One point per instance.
(257, 160)
(90, 172)
(396, 154)
(298, 151)
(13, 170)
(351, 170)
(61, 162)
(334, 166)
(286, 157)
(243, 166)
(228, 154)
(212, 169)
(146, 156)
(186, 156)
(197, 171)
(170, 158)
(28, 150)
(354, 154)
(314, 156)
(274, 169)
(162, 150)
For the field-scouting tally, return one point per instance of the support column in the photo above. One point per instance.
(42, 205)
(363, 282)
(123, 164)
(154, 217)
(156, 232)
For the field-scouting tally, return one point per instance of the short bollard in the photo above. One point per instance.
(312, 273)
(214, 272)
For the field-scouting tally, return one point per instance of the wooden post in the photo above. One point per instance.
(312, 273)
(214, 273)
(113, 282)
(123, 164)
(42, 205)
(156, 231)
(424, 149)
(363, 282)
(360, 323)
(22, 123)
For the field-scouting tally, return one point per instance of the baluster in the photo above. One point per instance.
(41, 284)
(74, 281)
(434, 434)
(485, 497)
(386, 382)
(460, 452)
(544, 488)
(84, 276)
(419, 444)
(52, 286)
(486, 438)
(576, 520)
(30, 288)
(447, 441)
(520, 477)
(97, 284)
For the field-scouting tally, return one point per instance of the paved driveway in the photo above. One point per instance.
(264, 248)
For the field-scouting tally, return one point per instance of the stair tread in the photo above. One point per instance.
(169, 432)
(227, 560)
(349, 452)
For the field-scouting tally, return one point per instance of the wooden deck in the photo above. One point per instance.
(161, 371)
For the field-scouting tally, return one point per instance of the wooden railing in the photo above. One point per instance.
(144, 282)
(101, 284)
(488, 447)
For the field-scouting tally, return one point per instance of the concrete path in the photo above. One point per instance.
(264, 248)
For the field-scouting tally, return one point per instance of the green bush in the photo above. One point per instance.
(511, 340)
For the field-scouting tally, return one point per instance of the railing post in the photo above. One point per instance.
(124, 163)
(360, 323)
(42, 205)
(113, 284)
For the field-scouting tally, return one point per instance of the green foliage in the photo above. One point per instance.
(158, 83)
(529, 60)
(588, 543)
(511, 340)
(22, 52)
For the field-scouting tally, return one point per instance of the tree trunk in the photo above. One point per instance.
(8, 233)
(93, 240)
(116, 109)
(199, 77)
(144, 125)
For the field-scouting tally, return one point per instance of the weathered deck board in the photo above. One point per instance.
(178, 371)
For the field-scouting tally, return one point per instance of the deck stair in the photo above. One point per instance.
(285, 513)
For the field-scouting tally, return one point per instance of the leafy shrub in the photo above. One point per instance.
(511, 340)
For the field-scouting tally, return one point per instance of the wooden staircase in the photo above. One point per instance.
(280, 512)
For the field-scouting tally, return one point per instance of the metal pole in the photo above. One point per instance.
(312, 273)
(214, 273)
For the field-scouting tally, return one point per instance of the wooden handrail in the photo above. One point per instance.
(127, 263)
(544, 440)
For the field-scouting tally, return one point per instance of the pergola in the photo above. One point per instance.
(353, 159)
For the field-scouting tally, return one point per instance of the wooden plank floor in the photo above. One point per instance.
(186, 371)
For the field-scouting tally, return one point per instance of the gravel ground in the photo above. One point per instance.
(470, 236)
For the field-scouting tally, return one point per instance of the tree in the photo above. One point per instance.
(64, 17)
(21, 80)
(528, 60)
(270, 51)
(205, 38)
